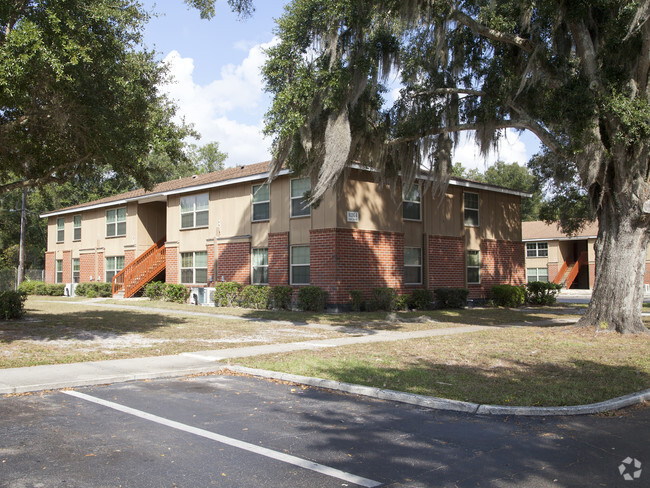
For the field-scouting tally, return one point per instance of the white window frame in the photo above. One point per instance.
(194, 268)
(76, 229)
(299, 265)
(112, 269)
(258, 266)
(467, 209)
(533, 250)
(254, 192)
(59, 271)
(60, 229)
(76, 262)
(528, 274)
(301, 198)
(407, 198)
(416, 266)
(115, 224)
(477, 267)
(194, 212)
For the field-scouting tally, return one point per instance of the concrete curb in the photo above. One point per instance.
(444, 404)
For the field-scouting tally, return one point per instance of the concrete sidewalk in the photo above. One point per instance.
(51, 377)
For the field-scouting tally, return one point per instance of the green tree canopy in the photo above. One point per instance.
(79, 94)
(574, 73)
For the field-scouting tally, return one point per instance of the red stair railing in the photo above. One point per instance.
(582, 260)
(142, 270)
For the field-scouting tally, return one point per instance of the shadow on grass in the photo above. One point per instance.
(511, 383)
(83, 325)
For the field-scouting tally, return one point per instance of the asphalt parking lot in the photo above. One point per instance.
(239, 431)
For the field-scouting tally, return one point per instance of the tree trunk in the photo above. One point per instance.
(617, 298)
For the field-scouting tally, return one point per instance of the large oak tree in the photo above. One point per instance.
(79, 93)
(574, 73)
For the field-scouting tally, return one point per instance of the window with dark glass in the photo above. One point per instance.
(76, 228)
(536, 249)
(114, 264)
(60, 229)
(412, 265)
(116, 222)
(537, 274)
(411, 206)
(471, 209)
(75, 270)
(473, 267)
(195, 211)
(260, 266)
(300, 265)
(261, 202)
(194, 267)
(299, 189)
(59, 270)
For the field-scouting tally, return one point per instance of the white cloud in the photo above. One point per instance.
(228, 110)
(512, 149)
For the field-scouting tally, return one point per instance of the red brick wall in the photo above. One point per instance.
(552, 271)
(446, 262)
(101, 266)
(129, 257)
(348, 259)
(67, 267)
(211, 263)
(50, 267)
(502, 263)
(86, 267)
(233, 262)
(278, 258)
(172, 273)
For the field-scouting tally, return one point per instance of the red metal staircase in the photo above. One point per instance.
(141, 271)
(572, 270)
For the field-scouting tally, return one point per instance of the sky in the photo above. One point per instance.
(218, 86)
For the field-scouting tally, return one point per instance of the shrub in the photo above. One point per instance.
(57, 290)
(507, 295)
(451, 297)
(542, 293)
(12, 304)
(383, 299)
(27, 287)
(312, 299)
(356, 300)
(255, 296)
(155, 290)
(402, 302)
(175, 293)
(226, 293)
(421, 299)
(92, 290)
(281, 297)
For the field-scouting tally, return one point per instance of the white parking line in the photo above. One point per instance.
(286, 458)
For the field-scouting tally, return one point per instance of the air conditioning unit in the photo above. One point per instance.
(202, 296)
(68, 291)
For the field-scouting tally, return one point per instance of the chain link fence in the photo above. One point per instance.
(8, 277)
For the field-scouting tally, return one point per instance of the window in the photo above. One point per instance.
(194, 267)
(300, 265)
(75, 270)
(260, 266)
(261, 204)
(473, 267)
(194, 211)
(412, 265)
(536, 249)
(471, 209)
(411, 203)
(76, 233)
(59, 270)
(60, 233)
(116, 222)
(299, 206)
(537, 274)
(114, 264)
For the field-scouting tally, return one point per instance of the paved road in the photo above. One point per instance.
(237, 431)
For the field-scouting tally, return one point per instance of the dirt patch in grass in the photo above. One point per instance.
(512, 366)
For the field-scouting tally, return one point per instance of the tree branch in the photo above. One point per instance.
(586, 53)
(532, 125)
(525, 44)
(451, 91)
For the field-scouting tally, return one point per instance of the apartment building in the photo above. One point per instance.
(233, 225)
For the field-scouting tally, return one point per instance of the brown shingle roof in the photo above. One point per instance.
(542, 230)
(181, 183)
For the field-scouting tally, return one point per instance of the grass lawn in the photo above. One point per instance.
(503, 366)
(56, 331)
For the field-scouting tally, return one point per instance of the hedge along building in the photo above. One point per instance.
(232, 225)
